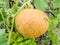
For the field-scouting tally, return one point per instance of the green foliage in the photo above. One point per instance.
(3, 37)
(53, 23)
(56, 4)
(12, 37)
(41, 4)
(4, 4)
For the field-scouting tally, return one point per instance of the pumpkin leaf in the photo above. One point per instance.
(40, 4)
(53, 23)
(14, 9)
(4, 4)
(56, 4)
(3, 38)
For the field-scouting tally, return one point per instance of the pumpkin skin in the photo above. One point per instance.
(31, 23)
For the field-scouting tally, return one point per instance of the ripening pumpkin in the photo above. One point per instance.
(31, 23)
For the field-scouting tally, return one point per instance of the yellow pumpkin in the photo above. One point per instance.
(31, 23)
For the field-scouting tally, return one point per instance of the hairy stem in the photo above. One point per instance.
(4, 21)
(22, 7)
(10, 32)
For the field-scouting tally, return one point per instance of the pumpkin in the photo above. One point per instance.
(31, 23)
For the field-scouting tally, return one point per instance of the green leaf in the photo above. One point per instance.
(32, 43)
(56, 4)
(27, 41)
(22, 43)
(14, 44)
(53, 23)
(14, 35)
(40, 4)
(58, 16)
(4, 4)
(3, 38)
(19, 39)
(3, 43)
(1, 22)
(2, 31)
(14, 9)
